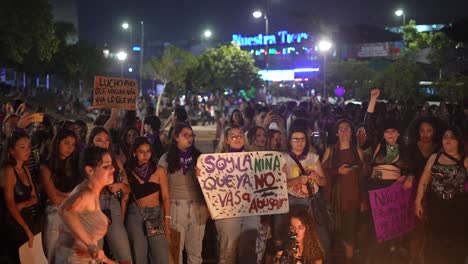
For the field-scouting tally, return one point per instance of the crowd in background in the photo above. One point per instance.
(115, 191)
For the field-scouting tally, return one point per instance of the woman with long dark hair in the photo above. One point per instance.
(59, 177)
(188, 210)
(444, 185)
(149, 186)
(304, 244)
(128, 136)
(19, 194)
(344, 167)
(114, 199)
(151, 126)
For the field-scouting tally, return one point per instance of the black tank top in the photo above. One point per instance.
(22, 191)
(144, 189)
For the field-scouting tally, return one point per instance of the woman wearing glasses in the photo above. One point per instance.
(188, 210)
(237, 236)
(305, 177)
(344, 166)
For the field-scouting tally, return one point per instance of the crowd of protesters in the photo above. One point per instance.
(115, 194)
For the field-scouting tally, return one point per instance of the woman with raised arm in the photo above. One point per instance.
(149, 185)
(19, 194)
(444, 186)
(84, 224)
(59, 177)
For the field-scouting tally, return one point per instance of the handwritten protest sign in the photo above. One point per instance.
(113, 92)
(392, 210)
(243, 184)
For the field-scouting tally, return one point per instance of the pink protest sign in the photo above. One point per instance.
(392, 210)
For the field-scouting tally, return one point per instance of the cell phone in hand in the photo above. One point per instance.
(37, 117)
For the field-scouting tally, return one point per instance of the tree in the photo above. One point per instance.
(225, 67)
(26, 33)
(171, 68)
(401, 79)
(353, 75)
(453, 88)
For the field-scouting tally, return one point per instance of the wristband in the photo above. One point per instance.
(93, 250)
(168, 217)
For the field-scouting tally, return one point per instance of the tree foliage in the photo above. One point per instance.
(401, 79)
(225, 67)
(27, 36)
(355, 76)
(171, 68)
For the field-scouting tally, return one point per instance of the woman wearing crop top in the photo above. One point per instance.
(19, 193)
(114, 199)
(147, 184)
(444, 185)
(188, 210)
(84, 224)
(59, 177)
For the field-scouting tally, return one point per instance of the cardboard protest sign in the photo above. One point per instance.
(243, 183)
(114, 92)
(392, 210)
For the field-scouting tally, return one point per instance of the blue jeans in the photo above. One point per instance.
(116, 236)
(322, 230)
(189, 218)
(154, 250)
(50, 232)
(237, 237)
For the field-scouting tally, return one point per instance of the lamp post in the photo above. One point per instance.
(121, 56)
(324, 46)
(127, 26)
(399, 13)
(258, 14)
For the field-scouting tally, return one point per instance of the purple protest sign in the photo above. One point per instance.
(392, 210)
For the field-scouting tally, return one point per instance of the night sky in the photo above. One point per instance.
(99, 20)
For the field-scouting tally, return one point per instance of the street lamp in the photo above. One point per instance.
(207, 34)
(127, 26)
(258, 14)
(399, 13)
(121, 56)
(324, 46)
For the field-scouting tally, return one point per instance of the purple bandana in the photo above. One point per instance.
(152, 137)
(145, 171)
(231, 149)
(185, 159)
(302, 156)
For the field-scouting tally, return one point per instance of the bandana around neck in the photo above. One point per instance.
(185, 159)
(231, 149)
(302, 156)
(144, 171)
(392, 152)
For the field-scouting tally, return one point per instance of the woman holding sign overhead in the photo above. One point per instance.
(188, 210)
(237, 236)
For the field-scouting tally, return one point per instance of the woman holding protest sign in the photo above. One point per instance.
(237, 236)
(390, 165)
(188, 210)
(114, 199)
(444, 185)
(148, 223)
(305, 176)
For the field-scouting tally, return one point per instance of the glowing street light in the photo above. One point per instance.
(399, 13)
(257, 14)
(125, 25)
(207, 34)
(324, 46)
(122, 55)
